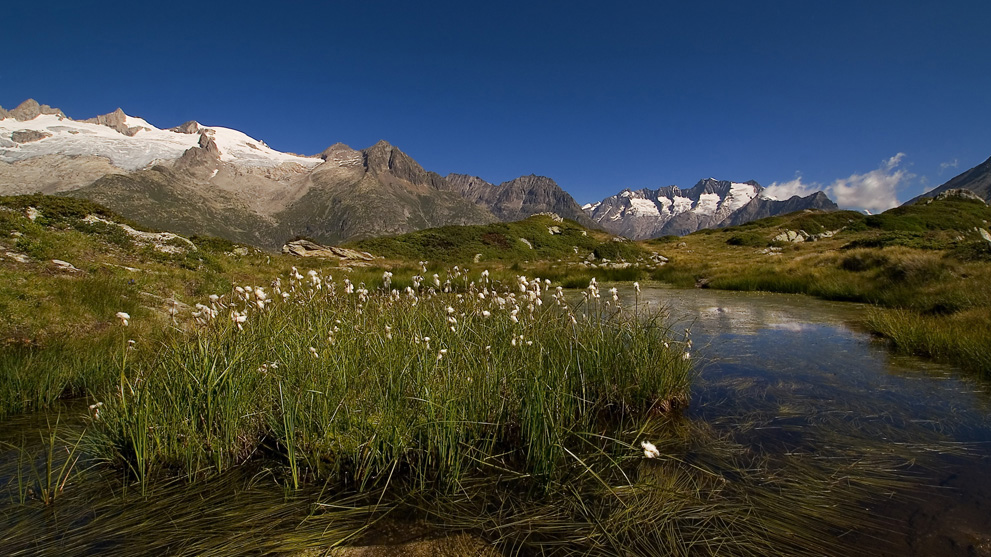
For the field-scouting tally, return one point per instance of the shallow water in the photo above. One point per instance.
(788, 374)
(784, 376)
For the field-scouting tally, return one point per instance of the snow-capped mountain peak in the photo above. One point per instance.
(710, 203)
(128, 142)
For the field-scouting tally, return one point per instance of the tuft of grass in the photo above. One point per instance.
(961, 338)
(352, 387)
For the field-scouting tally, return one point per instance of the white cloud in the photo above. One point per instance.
(951, 164)
(785, 190)
(875, 190)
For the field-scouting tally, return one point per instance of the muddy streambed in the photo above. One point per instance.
(786, 377)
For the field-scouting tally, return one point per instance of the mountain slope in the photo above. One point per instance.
(520, 198)
(374, 192)
(763, 207)
(977, 180)
(219, 181)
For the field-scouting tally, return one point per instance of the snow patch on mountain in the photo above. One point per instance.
(680, 205)
(643, 208)
(740, 195)
(707, 204)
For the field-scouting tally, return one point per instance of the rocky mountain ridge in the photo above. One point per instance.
(519, 198)
(198, 179)
(711, 203)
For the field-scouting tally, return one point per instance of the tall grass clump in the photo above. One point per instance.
(423, 387)
(962, 338)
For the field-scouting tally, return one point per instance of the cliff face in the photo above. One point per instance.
(520, 198)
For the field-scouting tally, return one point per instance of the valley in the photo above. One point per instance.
(370, 358)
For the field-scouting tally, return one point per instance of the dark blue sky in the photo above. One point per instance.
(598, 97)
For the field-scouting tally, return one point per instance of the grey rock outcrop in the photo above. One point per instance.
(207, 143)
(977, 180)
(519, 198)
(30, 109)
(165, 242)
(4, 114)
(116, 120)
(340, 154)
(65, 266)
(189, 127)
(27, 136)
(957, 193)
(306, 248)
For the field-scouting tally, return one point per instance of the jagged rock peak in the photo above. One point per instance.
(4, 114)
(383, 158)
(341, 155)
(336, 150)
(189, 127)
(207, 143)
(712, 185)
(30, 109)
(465, 184)
(116, 120)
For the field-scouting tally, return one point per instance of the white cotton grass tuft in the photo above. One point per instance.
(649, 450)
(124, 317)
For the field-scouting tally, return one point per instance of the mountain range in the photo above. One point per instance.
(196, 179)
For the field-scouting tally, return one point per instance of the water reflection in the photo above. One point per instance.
(788, 374)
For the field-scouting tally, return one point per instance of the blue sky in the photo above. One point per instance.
(874, 101)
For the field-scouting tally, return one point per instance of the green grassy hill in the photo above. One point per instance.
(539, 237)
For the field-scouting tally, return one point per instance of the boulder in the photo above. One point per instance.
(307, 248)
(64, 266)
(165, 242)
(791, 236)
(958, 193)
(19, 257)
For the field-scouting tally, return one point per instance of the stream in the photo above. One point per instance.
(790, 374)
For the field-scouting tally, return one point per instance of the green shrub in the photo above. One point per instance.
(750, 239)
